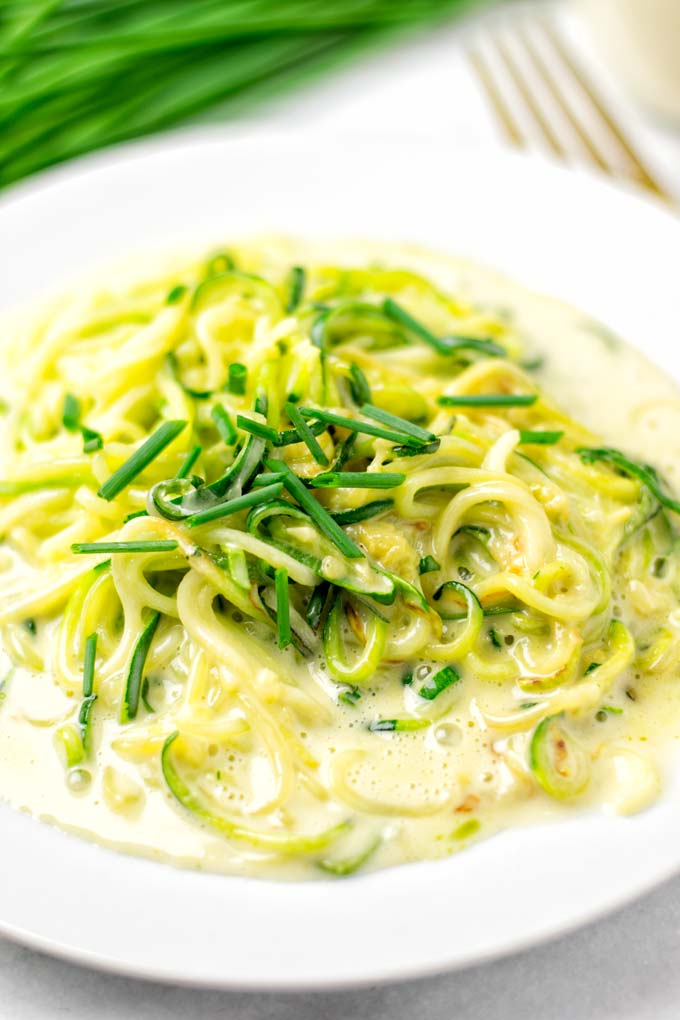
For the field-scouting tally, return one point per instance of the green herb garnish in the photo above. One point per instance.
(317, 604)
(398, 725)
(494, 638)
(320, 516)
(395, 422)
(362, 513)
(142, 546)
(363, 427)
(133, 685)
(357, 480)
(141, 459)
(237, 379)
(543, 438)
(359, 386)
(306, 435)
(92, 440)
(488, 400)
(233, 506)
(438, 682)
(71, 414)
(188, 462)
(296, 286)
(282, 607)
(89, 697)
(257, 428)
(428, 565)
(176, 294)
(643, 472)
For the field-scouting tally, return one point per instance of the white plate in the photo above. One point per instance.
(610, 252)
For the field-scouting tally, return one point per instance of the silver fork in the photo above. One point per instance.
(540, 92)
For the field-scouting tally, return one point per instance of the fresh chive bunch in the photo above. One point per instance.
(76, 75)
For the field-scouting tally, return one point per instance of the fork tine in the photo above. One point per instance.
(550, 83)
(529, 100)
(639, 170)
(500, 107)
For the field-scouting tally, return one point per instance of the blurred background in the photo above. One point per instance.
(593, 83)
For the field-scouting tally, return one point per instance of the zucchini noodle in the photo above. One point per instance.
(301, 563)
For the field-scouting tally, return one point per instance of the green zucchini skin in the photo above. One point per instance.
(561, 767)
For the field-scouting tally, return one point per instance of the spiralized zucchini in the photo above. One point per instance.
(313, 559)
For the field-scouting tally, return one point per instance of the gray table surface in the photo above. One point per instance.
(626, 967)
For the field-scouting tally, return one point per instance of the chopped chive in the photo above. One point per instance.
(487, 347)
(416, 451)
(494, 638)
(134, 515)
(189, 461)
(306, 435)
(362, 513)
(133, 685)
(357, 480)
(540, 438)
(256, 428)
(525, 705)
(88, 664)
(71, 414)
(366, 428)
(398, 725)
(428, 565)
(296, 286)
(30, 626)
(344, 452)
(399, 315)
(282, 607)
(316, 604)
(289, 436)
(438, 682)
(232, 506)
(176, 294)
(89, 697)
(643, 472)
(92, 441)
(395, 422)
(359, 386)
(320, 516)
(224, 424)
(237, 379)
(592, 667)
(349, 695)
(140, 459)
(267, 478)
(532, 364)
(489, 400)
(160, 545)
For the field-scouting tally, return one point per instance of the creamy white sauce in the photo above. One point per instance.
(638, 410)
